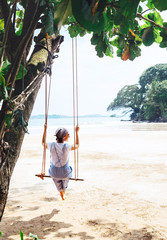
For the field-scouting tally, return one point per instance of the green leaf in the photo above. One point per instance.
(135, 51)
(18, 33)
(115, 42)
(119, 52)
(95, 39)
(148, 36)
(62, 11)
(19, 74)
(146, 25)
(21, 235)
(3, 89)
(5, 69)
(138, 40)
(8, 121)
(74, 31)
(108, 20)
(157, 36)
(101, 46)
(48, 22)
(150, 5)
(157, 18)
(74, 28)
(129, 8)
(118, 17)
(160, 5)
(163, 43)
(1, 24)
(140, 9)
(82, 12)
(118, 42)
(2, 81)
(121, 41)
(124, 27)
(20, 14)
(165, 25)
(109, 51)
(150, 16)
(19, 22)
(5, 63)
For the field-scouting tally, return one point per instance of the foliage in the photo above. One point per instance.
(148, 99)
(3, 89)
(127, 97)
(6, 66)
(156, 101)
(155, 73)
(114, 24)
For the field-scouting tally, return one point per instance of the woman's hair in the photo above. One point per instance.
(59, 140)
(60, 134)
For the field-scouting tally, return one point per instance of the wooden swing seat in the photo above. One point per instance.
(42, 176)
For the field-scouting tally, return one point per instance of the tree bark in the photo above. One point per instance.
(14, 138)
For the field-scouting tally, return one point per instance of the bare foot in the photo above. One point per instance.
(62, 195)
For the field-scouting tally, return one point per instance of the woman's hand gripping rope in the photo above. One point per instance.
(44, 136)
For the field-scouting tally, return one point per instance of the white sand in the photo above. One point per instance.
(123, 197)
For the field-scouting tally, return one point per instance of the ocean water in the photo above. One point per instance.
(92, 123)
(36, 124)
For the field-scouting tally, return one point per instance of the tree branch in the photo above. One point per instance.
(32, 10)
(8, 24)
(139, 15)
(12, 39)
(21, 48)
(11, 77)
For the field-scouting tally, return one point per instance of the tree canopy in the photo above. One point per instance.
(148, 98)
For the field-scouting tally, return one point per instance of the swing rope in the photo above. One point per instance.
(47, 100)
(75, 100)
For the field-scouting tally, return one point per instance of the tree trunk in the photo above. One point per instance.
(14, 138)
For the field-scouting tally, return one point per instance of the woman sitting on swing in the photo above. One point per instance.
(59, 170)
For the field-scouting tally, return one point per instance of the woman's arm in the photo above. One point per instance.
(76, 146)
(44, 136)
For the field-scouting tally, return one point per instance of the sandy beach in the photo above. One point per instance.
(123, 195)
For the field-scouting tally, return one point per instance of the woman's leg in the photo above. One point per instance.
(60, 188)
(59, 184)
(65, 184)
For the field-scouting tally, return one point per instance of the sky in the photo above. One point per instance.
(99, 79)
